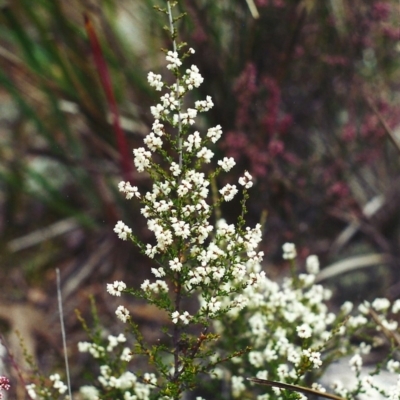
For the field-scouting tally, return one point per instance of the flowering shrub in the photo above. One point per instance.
(241, 324)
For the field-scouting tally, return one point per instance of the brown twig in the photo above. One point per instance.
(294, 388)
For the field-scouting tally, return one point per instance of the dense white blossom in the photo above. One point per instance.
(122, 313)
(193, 141)
(289, 251)
(89, 392)
(206, 154)
(116, 288)
(312, 264)
(214, 133)
(58, 384)
(356, 363)
(228, 192)
(227, 163)
(193, 78)
(122, 230)
(153, 142)
(129, 190)
(173, 58)
(155, 81)
(204, 105)
(141, 159)
(246, 180)
(380, 304)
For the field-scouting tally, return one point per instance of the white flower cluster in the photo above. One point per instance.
(283, 318)
(94, 349)
(58, 384)
(127, 382)
(116, 288)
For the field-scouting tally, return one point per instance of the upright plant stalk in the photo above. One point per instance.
(173, 37)
(60, 310)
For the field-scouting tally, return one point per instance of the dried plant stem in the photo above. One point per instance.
(295, 388)
(60, 310)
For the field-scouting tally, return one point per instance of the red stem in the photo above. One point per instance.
(126, 164)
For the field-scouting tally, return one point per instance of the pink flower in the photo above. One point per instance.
(4, 384)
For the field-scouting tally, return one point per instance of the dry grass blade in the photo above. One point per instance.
(295, 388)
(351, 264)
(253, 9)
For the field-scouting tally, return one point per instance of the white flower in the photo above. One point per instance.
(390, 325)
(214, 133)
(31, 390)
(256, 359)
(314, 357)
(175, 169)
(304, 331)
(346, 307)
(205, 154)
(204, 105)
(116, 288)
(364, 348)
(126, 354)
(246, 180)
(188, 117)
(89, 393)
(152, 141)
(175, 317)
(184, 188)
(158, 128)
(356, 321)
(396, 306)
(155, 80)
(181, 228)
(173, 58)
(151, 251)
(141, 159)
(113, 341)
(312, 264)
(58, 384)
(145, 286)
(238, 386)
(130, 191)
(289, 251)
(175, 265)
(158, 111)
(214, 305)
(158, 273)
(122, 313)
(159, 286)
(169, 101)
(193, 78)
(227, 163)
(185, 317)
(228, 192)
(192, 141)
(356, 363)
(393, 366)
(381, 304)
(122, 230)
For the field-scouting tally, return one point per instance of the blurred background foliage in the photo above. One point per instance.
(307, 93)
